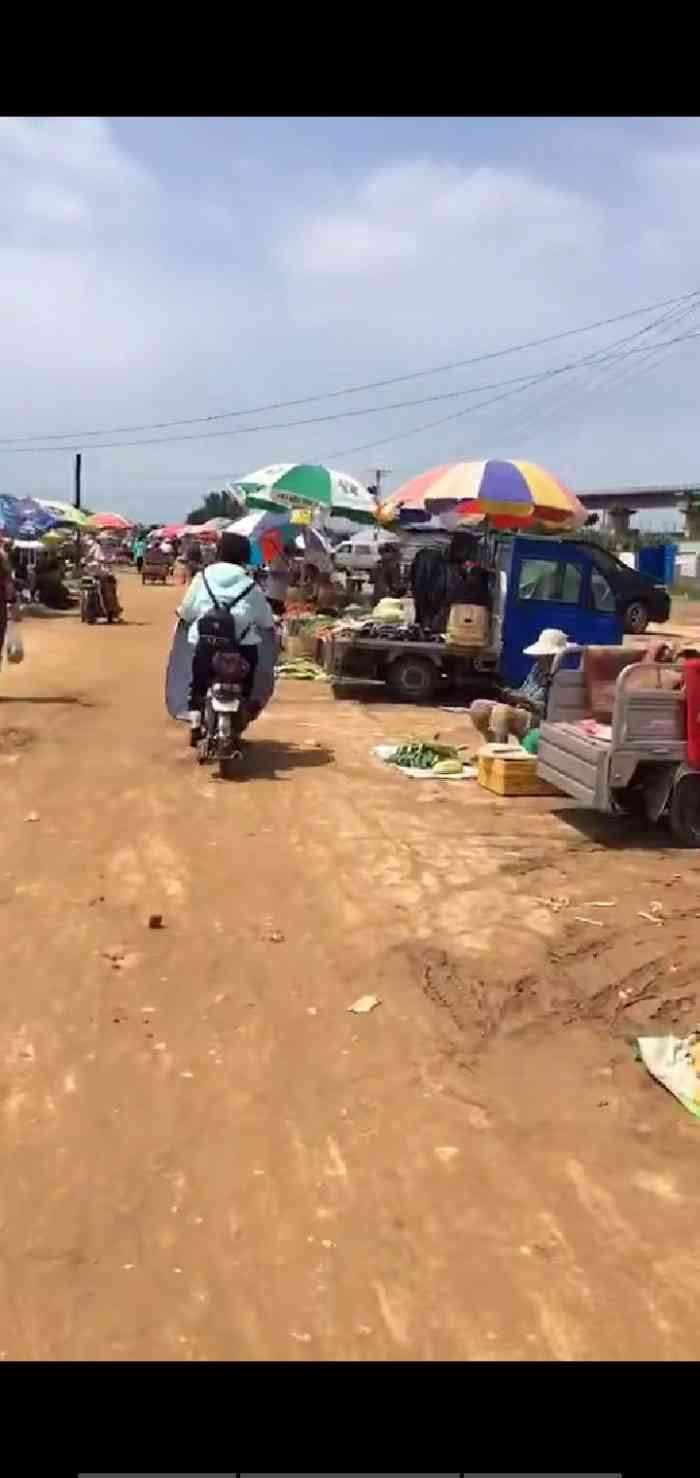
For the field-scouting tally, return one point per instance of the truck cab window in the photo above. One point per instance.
(550, 579)
(602, 598)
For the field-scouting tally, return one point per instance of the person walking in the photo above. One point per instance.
(279, 578)
(139, 548)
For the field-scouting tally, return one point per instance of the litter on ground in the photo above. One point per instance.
(364, 1004)
(675, 1062)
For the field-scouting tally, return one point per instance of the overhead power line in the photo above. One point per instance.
(589, 378)
(470, 409)
(76, 436)
(522, 383)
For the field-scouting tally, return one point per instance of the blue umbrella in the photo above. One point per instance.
(24, 518)
(258, 526)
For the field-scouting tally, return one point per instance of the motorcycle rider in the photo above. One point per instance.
(96, 565)
(225, 586)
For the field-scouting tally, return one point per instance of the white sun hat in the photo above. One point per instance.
(550, 643)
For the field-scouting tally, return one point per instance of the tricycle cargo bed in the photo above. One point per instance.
(576, 763)
(618, 722)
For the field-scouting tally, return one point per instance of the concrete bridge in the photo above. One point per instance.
(621, 503)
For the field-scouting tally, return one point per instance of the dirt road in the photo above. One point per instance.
(206, 1156)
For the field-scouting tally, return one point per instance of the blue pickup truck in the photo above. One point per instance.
(536, 582)
(584, 589)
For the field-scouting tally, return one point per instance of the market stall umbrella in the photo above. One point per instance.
(60, 535)
(214, 525)
(109, 521)
(172, 531)
(65, 512)
(305, 482)
(267, 530)
(317, 549)
(24, 518)
(511, 495)
(201, 533)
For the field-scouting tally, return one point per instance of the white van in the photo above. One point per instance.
(361, 554)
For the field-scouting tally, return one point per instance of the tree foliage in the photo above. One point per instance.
(215, 505)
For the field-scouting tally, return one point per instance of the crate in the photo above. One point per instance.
(301, 644)
(510, 771)
(468, 626)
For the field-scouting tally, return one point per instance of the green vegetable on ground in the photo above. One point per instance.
(302, 668)
(417, 755)
(448, 767)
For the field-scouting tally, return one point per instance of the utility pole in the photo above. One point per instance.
(375, 487)
(76, 503)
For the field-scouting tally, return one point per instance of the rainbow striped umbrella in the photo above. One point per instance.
(511, 495)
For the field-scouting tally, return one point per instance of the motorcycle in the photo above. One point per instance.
(98, 599)
(215, 733)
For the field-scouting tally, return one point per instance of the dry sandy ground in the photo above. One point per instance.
(205, 1156)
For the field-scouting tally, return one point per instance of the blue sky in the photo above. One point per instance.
(153, 269)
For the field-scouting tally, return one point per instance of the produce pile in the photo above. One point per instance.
(299, 608)
(301, 668)
(387, 631)
(303, 622)
(417, 754)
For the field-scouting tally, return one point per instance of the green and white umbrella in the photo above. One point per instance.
(298, 483)
(65, 512)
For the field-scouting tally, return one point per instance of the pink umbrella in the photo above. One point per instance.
(173, 531)
(109, 521)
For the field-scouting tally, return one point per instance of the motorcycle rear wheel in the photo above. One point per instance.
(229, 765)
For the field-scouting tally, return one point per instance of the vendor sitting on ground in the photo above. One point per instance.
(525, 707)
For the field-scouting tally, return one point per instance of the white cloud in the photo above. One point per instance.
(126, 298)
(78, 146)
(415, 212)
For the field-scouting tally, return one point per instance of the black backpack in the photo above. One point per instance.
(217, 629)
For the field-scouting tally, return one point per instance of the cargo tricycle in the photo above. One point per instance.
(157, 565)
(615, 738)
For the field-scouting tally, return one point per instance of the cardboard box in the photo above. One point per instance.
(468, 626)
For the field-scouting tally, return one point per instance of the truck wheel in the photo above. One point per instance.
(413, 679)
(636, 618)
(684, 814)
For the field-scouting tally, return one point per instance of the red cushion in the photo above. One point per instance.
(601, 669)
